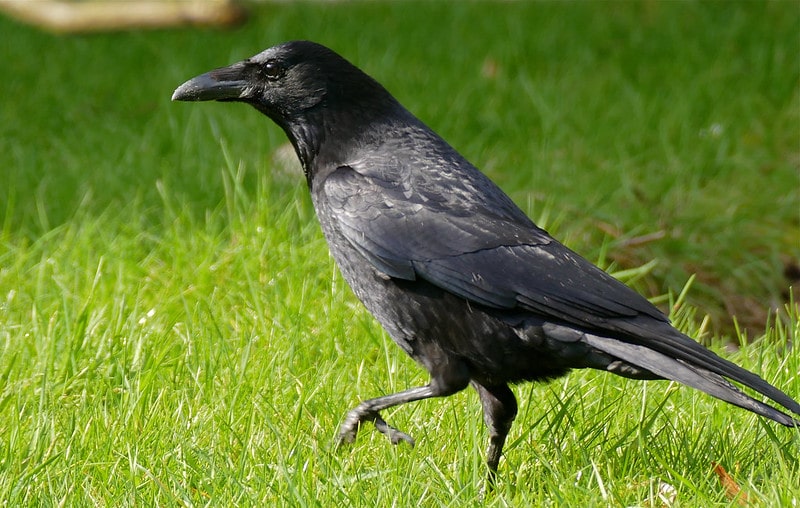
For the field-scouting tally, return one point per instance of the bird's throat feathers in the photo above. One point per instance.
(322, 134)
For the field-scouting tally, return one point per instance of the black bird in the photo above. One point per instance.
(455, 272)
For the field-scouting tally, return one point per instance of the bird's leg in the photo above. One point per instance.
(499, 411)
(448, 379)
(369, 411)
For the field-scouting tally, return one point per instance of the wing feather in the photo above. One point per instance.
(501, 262)
(504, 261)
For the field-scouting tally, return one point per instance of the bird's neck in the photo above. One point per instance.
(307, 139)
(324, 137)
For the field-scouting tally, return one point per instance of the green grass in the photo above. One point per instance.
(173, 332)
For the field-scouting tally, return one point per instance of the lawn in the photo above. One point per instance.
(173, 331)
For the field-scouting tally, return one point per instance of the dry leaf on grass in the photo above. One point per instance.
(732, 489)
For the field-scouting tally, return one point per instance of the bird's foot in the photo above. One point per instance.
(490, 483)
(349, 429)
(394, 435)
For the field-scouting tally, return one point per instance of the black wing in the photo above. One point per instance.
(502, 260)
(488, 258)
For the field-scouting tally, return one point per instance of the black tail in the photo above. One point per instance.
(681, 359)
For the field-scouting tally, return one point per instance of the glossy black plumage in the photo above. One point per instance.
(456, 273)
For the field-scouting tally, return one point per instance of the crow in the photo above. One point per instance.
(461, 279)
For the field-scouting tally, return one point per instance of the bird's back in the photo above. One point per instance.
(425, 319)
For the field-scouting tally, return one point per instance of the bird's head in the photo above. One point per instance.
(304, 87)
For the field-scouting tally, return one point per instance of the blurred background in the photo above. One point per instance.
(174, 333)
(647, 132)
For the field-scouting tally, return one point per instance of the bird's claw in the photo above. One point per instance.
(394, 435)
(349, 429)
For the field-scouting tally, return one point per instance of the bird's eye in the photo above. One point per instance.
(273, 70)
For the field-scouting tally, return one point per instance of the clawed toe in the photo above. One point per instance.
(351, 424)
(348, 430)
(394, 435)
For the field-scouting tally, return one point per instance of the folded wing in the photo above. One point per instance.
(506, 262)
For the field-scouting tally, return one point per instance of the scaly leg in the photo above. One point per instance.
(448, 379)
(499, 411)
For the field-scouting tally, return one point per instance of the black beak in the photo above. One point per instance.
(225, 83)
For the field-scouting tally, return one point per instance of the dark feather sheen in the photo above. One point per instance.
(456, 273)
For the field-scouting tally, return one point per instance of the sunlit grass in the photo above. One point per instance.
(173, 331)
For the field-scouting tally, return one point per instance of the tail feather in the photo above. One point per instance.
(668, 341)
(702, 378)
